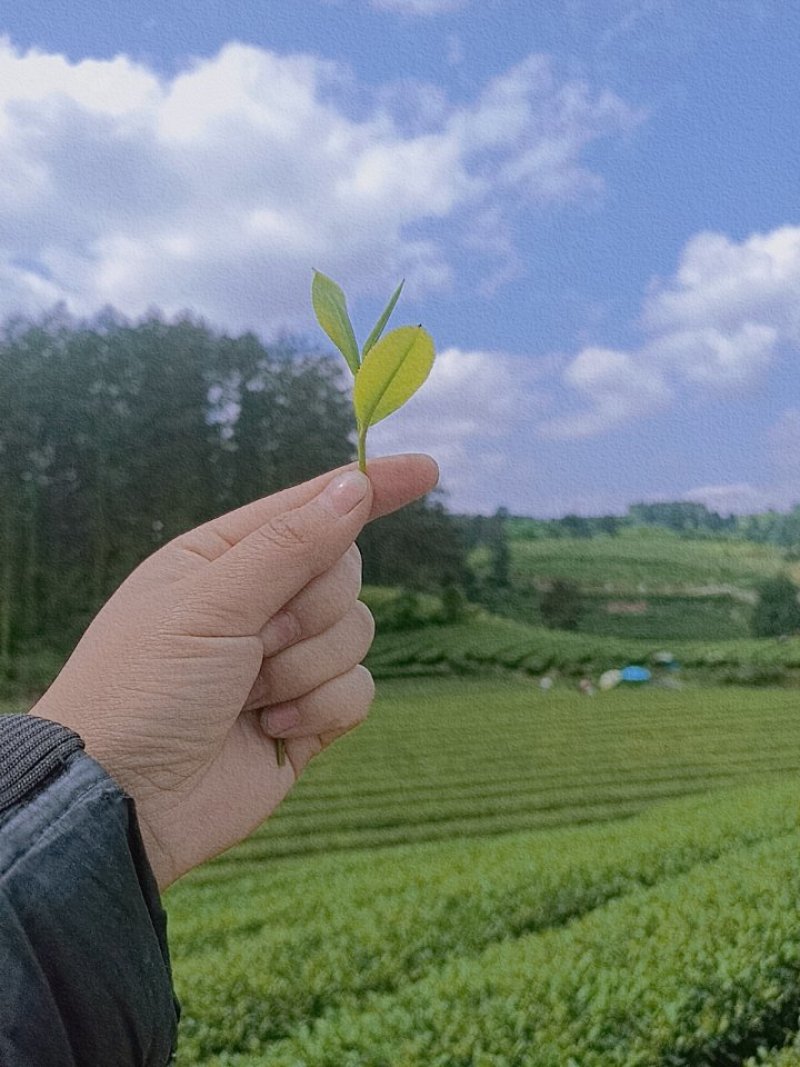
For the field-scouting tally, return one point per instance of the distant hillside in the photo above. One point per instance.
(648, 583)
(487, 643)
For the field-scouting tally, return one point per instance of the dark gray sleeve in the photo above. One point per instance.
(85, 977)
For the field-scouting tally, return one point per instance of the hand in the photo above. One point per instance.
(245, 628)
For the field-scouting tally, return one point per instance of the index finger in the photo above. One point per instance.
(396, 481)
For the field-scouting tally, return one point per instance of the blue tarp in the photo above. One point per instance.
(635, 674)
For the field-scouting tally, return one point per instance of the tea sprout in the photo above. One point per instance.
(387, 371)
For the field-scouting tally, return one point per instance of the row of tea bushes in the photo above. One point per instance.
(261, 953)
(436, 760)
(487, 642)
(701, 968)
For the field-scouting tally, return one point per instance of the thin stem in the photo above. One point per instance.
(362, 449)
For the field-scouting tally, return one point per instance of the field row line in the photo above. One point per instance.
(492, 770)
(508, 786)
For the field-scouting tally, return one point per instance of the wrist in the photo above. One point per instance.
(158, 857)
(102, 753)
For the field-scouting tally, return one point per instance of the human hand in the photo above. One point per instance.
(245, 628)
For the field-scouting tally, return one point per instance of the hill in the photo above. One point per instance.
(643, 582)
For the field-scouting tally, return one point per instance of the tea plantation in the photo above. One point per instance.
(645, 582)
(488, 642)
(487, 875)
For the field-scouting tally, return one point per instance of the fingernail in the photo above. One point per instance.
(344, 493)
(277, 720)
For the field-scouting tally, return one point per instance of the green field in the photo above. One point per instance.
(641, 561)
(486, 643)
(677, 588)
(484, 874)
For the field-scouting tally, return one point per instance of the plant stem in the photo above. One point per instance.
(362, 449)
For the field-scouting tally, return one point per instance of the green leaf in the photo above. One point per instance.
(330, 308)
(377, 329)
(392, 371)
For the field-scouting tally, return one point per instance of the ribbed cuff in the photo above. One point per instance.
(31, 751)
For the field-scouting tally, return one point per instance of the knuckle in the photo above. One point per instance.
(365, 624)
(286, 531)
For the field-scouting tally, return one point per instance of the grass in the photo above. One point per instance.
(647, 562)
(439, 758)
(490, 643)
(684, 589)
(464, 822)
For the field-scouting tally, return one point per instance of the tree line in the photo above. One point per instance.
(684, 518)
(115, 436)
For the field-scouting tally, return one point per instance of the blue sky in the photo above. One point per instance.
(595, 203)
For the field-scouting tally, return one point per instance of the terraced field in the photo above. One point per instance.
(674, 588)
(428, 895)
(488, 642)
(648, 560)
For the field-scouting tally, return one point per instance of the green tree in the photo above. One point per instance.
(576, 526)
(561, 605)
(294, 420)
(499, 553)
(116, 436)
(777, 610)
(609, 524)
(419, 547)
(454, 603)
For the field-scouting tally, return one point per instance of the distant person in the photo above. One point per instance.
(154, 749)
(585, 687)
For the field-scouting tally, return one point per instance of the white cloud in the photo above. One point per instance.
(542, 125)
(727, 284)
(616, 386)
(220, 188)
(718, 324)
(710, 356)
(476, 411)
(105, 87)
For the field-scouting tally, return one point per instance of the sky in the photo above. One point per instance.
(595, 205)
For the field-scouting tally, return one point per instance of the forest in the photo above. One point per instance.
(117, 436)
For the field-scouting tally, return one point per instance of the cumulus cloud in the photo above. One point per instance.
(728, 284)
(219, 188)
(615, 385)
(718, 324)
(477, 410)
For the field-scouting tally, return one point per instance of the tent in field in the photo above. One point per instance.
(667, 660)
(636, 674)
(609, 679)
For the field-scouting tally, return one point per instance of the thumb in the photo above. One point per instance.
(239, 591)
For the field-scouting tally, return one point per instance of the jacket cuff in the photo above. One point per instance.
(86, 975)
(32, 750)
